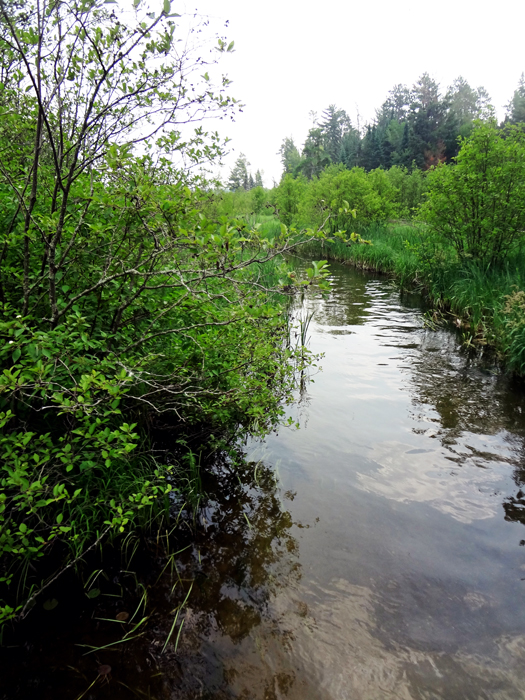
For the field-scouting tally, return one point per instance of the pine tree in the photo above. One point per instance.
(336, 123)
(516, 107)
(372, 151)
(315, 157)
(239, 177)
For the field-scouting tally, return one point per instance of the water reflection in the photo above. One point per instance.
(347, 305)
(237, 553)
(245, 550)
(407, 457)
(372, 554)
(514, 505)
(244, 553)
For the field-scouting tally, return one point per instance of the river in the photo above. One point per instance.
(375, 552)
(402, 571)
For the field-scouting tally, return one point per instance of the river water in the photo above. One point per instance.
(394, 567)
(376, 552)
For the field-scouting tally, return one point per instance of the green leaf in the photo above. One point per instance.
(50, 604)
(93, 593)
(16, 355)
(167, 7)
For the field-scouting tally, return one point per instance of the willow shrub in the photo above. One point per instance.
(477, 204)
(121, 303)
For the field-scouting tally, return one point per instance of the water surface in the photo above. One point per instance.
(376, 552)
(403, 575)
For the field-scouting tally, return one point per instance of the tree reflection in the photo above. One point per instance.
(243, 551)
(514, 506)
(476, 411)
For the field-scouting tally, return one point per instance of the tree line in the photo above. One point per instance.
(415, 127)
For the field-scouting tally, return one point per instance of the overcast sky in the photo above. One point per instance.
(292, 57)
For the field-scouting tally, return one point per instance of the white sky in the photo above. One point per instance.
(292, 57)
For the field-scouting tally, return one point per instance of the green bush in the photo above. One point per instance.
(369, 194)
(122, 303)
(410, 187)
(478, 204)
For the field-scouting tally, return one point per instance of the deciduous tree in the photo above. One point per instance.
(478, 204)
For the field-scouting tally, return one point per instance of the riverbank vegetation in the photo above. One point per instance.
(127, 308)
(455, 230)
(139, 300)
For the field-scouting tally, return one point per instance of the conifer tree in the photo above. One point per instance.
(516, 107)
(239, 176)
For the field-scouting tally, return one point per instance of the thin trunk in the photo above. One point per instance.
(30, 207)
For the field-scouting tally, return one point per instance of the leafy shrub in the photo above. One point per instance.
(122, 303)
(478, 204)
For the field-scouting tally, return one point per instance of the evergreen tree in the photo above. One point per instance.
(464, 100)
(428, 113)
(290, 157)
(351, 148)
(466, 104)
(403, 155)
(371, 150)
(315, 157)
(516, 107)
(396, 106)
(239, 176)
(336, 123)
(425, 93)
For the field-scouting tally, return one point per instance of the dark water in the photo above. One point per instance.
(377, 552)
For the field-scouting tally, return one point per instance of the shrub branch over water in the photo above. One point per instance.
(121, 301)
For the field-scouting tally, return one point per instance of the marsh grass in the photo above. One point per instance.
(486, 302)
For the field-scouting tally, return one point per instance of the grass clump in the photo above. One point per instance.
(487, 300)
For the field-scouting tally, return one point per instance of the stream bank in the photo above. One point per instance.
(376, 552)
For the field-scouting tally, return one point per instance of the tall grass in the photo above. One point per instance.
(270, 225)
(487, 302)
(391, 251)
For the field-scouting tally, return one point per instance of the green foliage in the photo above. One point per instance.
(258, 199)
(127, 297)
(248, 205)
(315, 156)
(339, 195)
(410, 187)
(290, 157)
(512, 323)
(478, 204)
(287, 197)
(69, 470)
(516, 107)
(370, 195)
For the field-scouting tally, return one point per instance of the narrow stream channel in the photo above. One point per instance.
(375, 553)
(402, 571)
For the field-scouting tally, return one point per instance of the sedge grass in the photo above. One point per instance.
(488, 301)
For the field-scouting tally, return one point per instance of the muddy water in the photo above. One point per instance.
(376, 552)
(396, 567)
